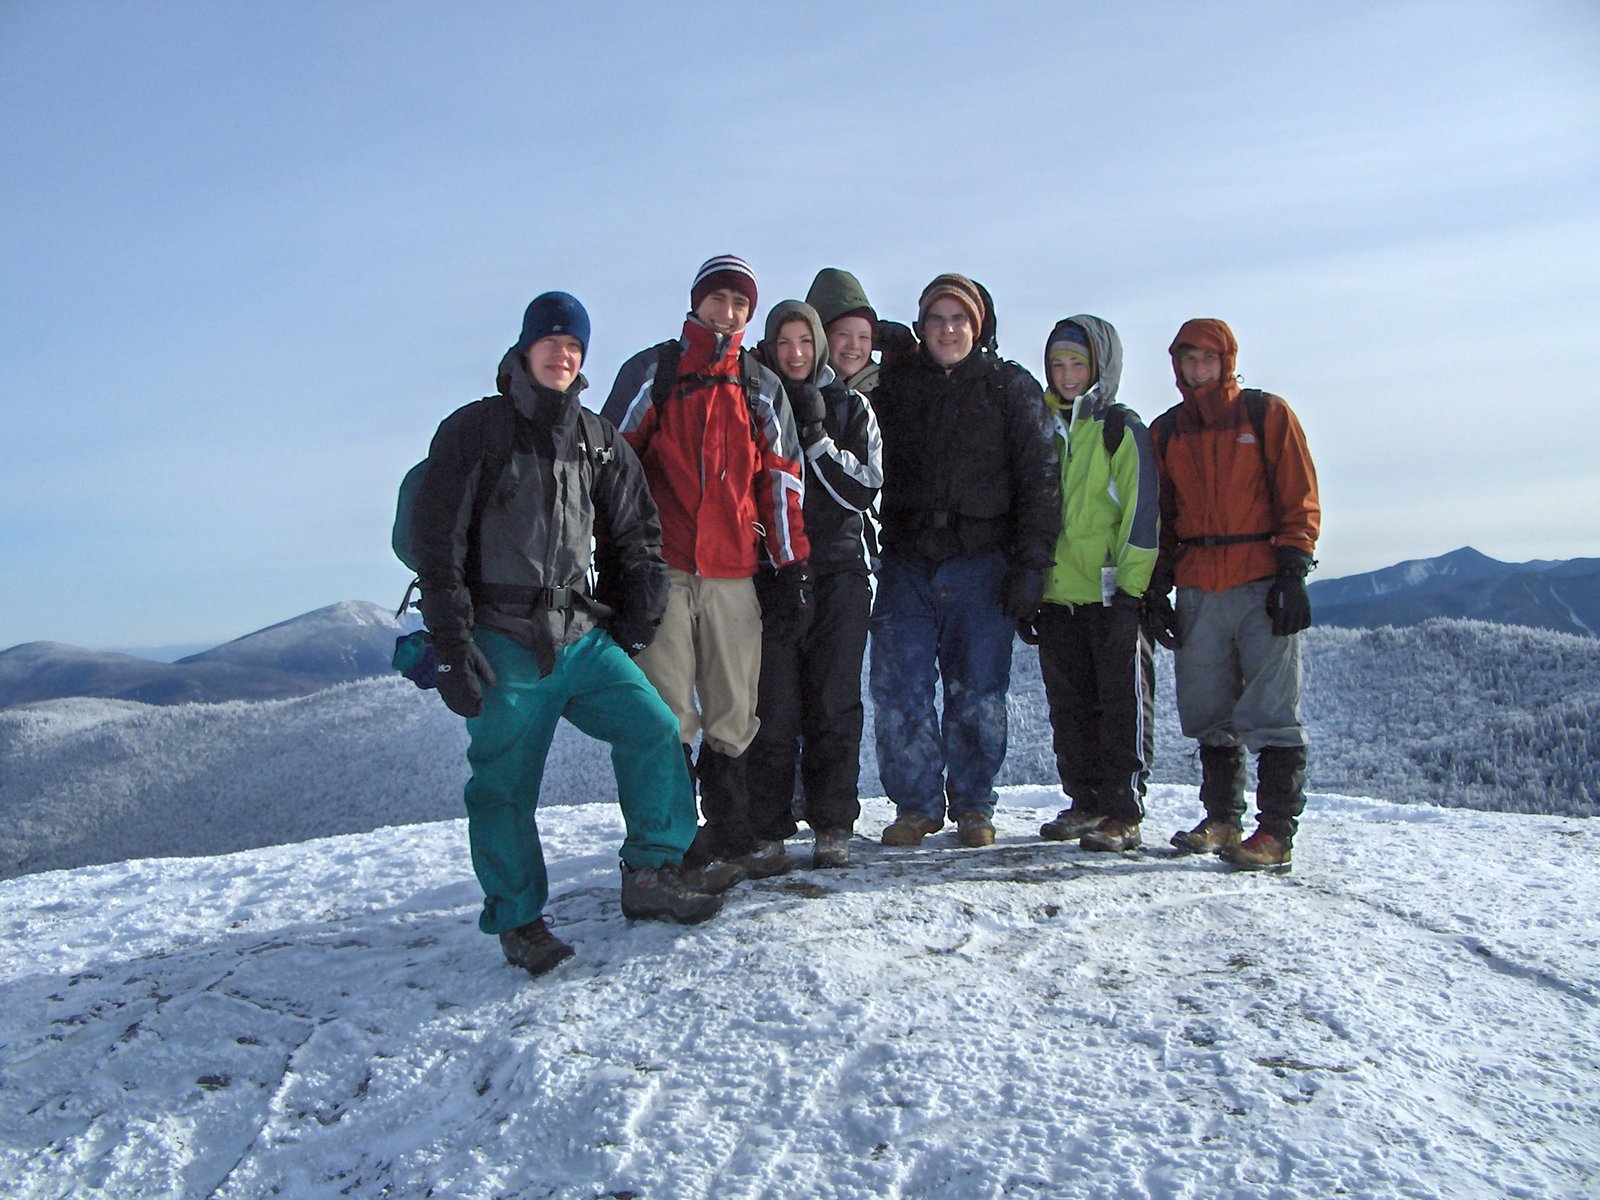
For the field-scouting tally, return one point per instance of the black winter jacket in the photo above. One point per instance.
(491, 553)
(843, 473)
(969, 461)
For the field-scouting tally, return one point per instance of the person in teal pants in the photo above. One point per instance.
(515, 489)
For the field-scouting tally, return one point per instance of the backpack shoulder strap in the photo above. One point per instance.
(596, 437)
(750, 384)
(667, 354)
(1255, 409)
(1114, 425)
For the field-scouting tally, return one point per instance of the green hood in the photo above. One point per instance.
(834, 293)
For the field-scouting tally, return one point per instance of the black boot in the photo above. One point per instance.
(1281, 790)
(688, 761)
(725, 802)
(1222, 779)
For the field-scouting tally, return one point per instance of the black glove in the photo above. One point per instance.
(1288, 602)
(1028, 630)
(894, 342)
(633, 634)
(809, 409)
(463, 673)
(1022, 593)
(787, 600)
(1160, 619)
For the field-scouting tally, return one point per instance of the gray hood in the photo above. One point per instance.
(791, 310)
(1105, 348)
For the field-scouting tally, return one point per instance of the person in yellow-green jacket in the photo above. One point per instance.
(1097, 662)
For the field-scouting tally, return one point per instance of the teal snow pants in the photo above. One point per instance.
(597, 687)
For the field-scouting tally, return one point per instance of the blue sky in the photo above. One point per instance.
(254, 253)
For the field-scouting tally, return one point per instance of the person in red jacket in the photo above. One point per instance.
(721, 452)
(1240, 517)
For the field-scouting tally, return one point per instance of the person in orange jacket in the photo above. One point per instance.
(1239, 523)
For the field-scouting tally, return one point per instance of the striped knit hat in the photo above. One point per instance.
(724, 271)
(960, 289)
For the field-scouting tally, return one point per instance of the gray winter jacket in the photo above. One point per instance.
(513, 552)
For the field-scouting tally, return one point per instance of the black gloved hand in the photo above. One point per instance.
(1022, 593)
(787, 599)
(1288, 602)
(463, 673)
(1160, 619)
(894, 341)
(1028, 630)
(633, 634)
(809, 409)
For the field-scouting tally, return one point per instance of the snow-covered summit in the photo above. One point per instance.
(1413, 1013)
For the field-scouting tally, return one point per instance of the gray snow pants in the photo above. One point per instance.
(1237, 684)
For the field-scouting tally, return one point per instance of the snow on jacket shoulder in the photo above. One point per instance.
(969, 461)
(721, 474)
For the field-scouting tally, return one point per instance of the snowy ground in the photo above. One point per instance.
(1415, 1012)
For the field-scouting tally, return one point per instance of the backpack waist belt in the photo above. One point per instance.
(507, 596)
(1221, 539)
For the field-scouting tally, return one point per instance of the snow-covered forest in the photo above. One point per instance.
(1453, 713)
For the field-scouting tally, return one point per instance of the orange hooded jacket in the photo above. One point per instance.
(1214, 484)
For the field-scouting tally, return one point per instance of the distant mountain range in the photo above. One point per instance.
(1563, 596)
(355, 639)
(350, 640)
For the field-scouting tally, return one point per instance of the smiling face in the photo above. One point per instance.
(1199, 367)
(554, 361)
(850, 345)
(796, 350)
(1069, 375)
(724, 310)
(947, 331)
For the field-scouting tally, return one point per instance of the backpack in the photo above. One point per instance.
(413, 654)
(667, 383)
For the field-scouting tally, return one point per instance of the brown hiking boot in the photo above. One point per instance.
(1071, 824)
(769, 858)
(1260, 852)
(659, 894)
(534, 948)
(1113, 835)
(1208, 837)
(908, 829)
(714, 877)
(974, 829)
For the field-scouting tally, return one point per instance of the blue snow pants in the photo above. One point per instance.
(597, 687)
(939, 624)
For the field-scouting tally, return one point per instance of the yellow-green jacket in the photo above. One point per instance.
(1109, 509)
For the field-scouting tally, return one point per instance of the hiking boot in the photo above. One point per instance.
(908, 829)
(1112, 835)
(715, 877)
(659, 894)
(769, 858)
(1260, 852)
(534, 948)
(832, 849)
(1071, 824)
(974, 829)
(1208, 837)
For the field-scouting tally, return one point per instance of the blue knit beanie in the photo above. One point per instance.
(551, 314)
